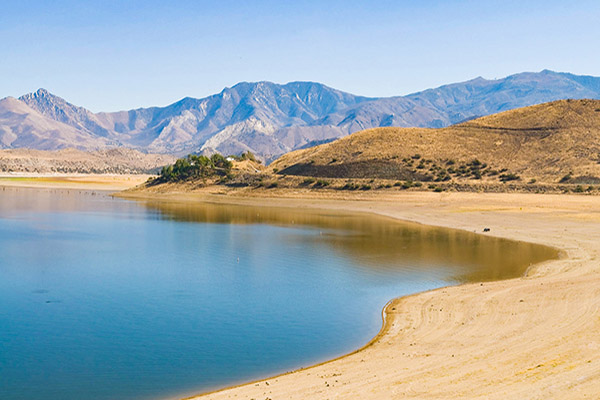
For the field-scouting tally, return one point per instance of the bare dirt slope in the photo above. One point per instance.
(114, 161)
(546, 142)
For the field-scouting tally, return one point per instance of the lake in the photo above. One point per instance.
(104, 298)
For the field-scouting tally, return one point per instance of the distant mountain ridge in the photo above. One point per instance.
(271, 119)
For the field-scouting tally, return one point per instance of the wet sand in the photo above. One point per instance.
(534, 337)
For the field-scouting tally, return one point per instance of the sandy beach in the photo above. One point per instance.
(534, 337)
(72, 181)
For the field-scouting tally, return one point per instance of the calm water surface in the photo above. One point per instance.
(102, 298)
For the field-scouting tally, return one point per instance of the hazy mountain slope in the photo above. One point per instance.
(545, 142)
(450, 104)
(22, 126)
(483, 97)
(60, 110)
(270, 119)
(239, 118)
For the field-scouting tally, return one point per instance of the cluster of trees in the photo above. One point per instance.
(247, 155)
(196, 166)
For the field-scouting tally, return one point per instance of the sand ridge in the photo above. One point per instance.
(534, 337)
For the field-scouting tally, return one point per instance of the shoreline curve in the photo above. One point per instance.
(540, 223)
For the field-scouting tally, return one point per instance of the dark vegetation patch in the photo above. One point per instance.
(247, 155)
(321, 183)
(566, 179)
(585, 180)
(350, 186)
(359, 169)
(408, 169)
(195, 167)
(509, 177)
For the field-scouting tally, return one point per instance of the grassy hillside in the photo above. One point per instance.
(557, 142)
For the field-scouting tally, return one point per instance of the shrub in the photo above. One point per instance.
(509, 177)
(566, 178)
(321, 183)
(248, 155)
(578, 189)
(350, 186)
(308, 181)
(365, 187)
(273, 185)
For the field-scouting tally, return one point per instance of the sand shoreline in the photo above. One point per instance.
(111, 182)
(534, 337)
(529, 337)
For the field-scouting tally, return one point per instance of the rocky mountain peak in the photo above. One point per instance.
(42, 100)
(60, 110)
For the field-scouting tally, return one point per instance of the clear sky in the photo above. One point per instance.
(116, 54)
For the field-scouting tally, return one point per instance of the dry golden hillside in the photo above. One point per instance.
(551, 142)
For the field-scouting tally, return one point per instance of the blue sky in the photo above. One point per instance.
(113, 55)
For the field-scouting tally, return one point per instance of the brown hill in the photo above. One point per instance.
(548, 142)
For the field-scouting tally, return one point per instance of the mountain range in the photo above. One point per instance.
(271, 119)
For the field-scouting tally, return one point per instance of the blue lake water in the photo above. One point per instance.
(102, 298)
